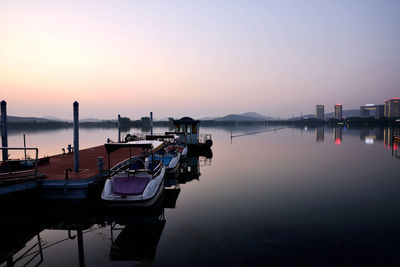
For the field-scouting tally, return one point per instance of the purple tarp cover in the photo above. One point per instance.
(129, 185)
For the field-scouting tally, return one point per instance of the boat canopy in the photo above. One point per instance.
(149, 144)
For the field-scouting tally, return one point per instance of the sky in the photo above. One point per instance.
(196, 58)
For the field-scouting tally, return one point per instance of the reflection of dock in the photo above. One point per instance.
(134, 232)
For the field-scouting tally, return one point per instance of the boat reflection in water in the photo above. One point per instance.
(135, 238)
(133, 233)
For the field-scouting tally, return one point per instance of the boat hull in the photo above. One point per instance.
(173, 164)
(151, 193)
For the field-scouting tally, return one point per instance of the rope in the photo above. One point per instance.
(246, 134)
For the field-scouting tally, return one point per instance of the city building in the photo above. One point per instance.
(377, 110)
(320, 112)
(392, 108)
(337, 112)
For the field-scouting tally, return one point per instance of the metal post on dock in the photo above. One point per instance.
(100, 164)
(76, 136)
(4, 138)
(24, 147)
(119, 128)
(151, 123)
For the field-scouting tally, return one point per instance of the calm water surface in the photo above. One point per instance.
(291, 197)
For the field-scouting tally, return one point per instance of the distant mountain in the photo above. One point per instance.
(25, 119)
(14, 119)
(208, 118)
(249, 116)
(256, 115)
(90, 120)
(52, 118)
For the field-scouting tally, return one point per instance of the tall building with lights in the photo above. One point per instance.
(320, 112)
(365, 111)
(337, 112)
(392, 108)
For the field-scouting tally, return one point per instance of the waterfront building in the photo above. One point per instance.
(320, 112)
(392, 108)
(378, 110)
(337, 112)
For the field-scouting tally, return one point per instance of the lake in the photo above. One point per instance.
(294, 196)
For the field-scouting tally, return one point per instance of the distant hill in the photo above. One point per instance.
(256, 115)
(248, 116)
(90, 120)
(52, 118)
(15, 119)
(25, 119)
(208, 118)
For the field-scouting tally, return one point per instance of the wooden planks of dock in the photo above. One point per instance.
(88, 160)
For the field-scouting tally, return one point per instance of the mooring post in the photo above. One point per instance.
(4, 138)
(151, 123)
(24, 146)
(119, 128)
(100, 164)
(76, 136)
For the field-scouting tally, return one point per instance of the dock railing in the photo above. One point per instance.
(13, 168)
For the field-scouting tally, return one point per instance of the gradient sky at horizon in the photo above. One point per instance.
(196, 58)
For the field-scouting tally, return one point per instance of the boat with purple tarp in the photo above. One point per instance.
(136, 181)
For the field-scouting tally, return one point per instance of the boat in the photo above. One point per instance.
(170, 154)
(169, 157)
(136, 181)
(191, 128)
(180, 141)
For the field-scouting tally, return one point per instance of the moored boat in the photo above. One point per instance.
(170, 154)
(137, 181)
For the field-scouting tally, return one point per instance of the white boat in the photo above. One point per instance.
(172, 152)
(137, 181)
(180, 141)
(170, 159)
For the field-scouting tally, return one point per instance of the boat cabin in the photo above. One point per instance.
(190, 127)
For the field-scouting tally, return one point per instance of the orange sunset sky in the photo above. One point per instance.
(196, 58)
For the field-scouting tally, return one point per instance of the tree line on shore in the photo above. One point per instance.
(144, 123)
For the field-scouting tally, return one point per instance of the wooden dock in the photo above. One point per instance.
(53, 183)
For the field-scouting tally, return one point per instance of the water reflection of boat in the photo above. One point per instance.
(138, 236)
(135, 181)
